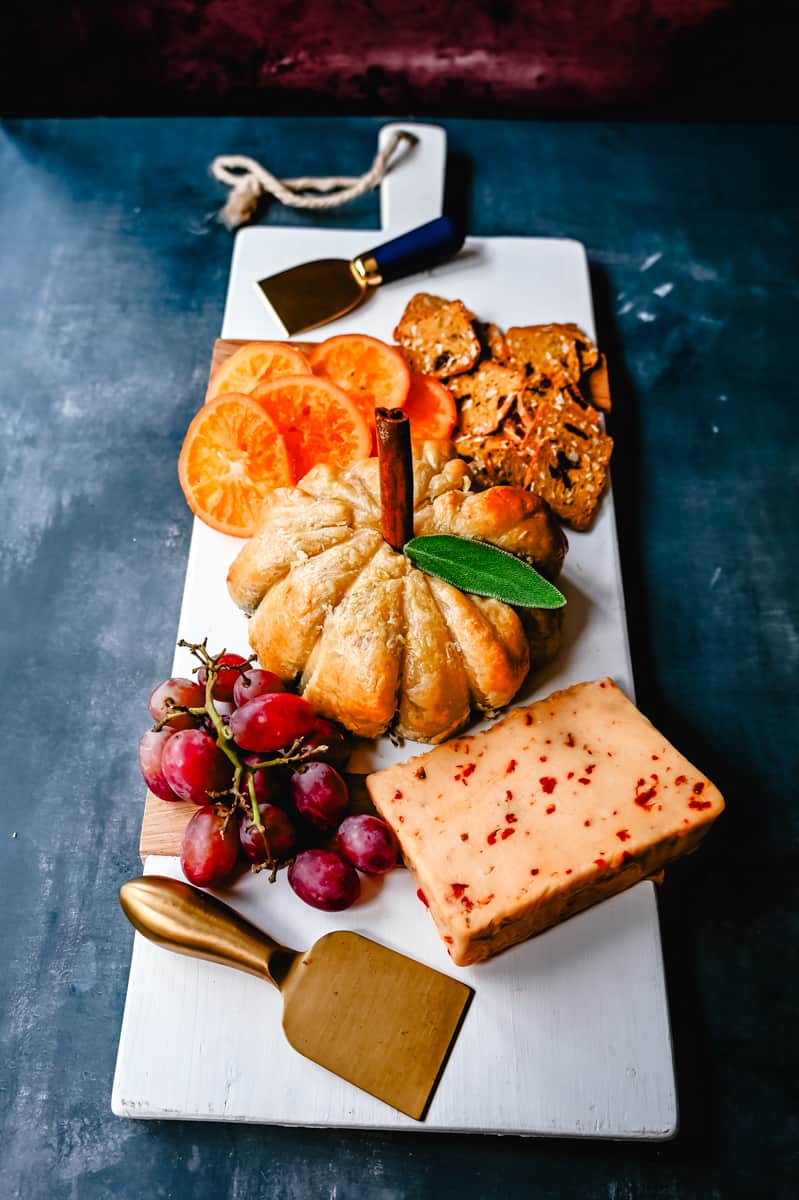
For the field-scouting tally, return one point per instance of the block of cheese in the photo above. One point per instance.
(556, 807)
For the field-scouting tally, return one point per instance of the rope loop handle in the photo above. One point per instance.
(249, 181)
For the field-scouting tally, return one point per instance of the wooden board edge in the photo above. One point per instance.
(163, 824)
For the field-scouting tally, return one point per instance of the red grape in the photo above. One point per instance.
(151, 749)
(322, 879)
(320, 795)
(207, 855)
(226, 679)
(186, 692)
(256, 683)
(272, 721)
(194, 766)
(280, 835)
(368, 843)
(325, 733)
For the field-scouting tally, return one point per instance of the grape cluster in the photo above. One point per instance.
(261, 766)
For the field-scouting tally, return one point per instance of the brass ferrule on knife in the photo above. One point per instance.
(365, 271)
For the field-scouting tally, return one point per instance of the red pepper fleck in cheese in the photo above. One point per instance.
(497, 866)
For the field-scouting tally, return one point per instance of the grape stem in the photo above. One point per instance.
(242, 798)
(271, 863)
(175, 710)
(295, 755)
(223, 735)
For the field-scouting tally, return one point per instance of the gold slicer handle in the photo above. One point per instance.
(184, 919)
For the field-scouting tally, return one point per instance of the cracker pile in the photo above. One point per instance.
(528, 401)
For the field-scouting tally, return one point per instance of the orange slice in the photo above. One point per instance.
(254, 363)
(431, 408)
(372, 373)
(318, 421)
(232, 457)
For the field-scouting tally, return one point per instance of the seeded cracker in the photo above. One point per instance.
(562, 416)
(492, 341)
(485, 396)
(527, 401)
(437, 336)
(595, 387)
(560, 353)
(569, 460)
(494, 459)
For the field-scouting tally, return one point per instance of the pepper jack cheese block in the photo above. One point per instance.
(556, 807)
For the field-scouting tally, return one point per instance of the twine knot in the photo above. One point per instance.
(248, 181)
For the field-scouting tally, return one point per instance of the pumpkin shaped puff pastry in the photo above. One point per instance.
(372, 641)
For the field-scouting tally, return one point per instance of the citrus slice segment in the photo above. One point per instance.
(319, 422)
(431, 408)
(254, 363)
(231, 458)
(372, 373)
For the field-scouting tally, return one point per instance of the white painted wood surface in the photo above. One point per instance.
(414, 193)
(569, 1033)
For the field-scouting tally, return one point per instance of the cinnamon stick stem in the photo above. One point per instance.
(396, 475)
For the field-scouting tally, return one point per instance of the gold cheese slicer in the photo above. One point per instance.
(378, 1019)
(314, 293)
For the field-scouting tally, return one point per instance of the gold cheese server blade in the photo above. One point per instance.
(380, 1020)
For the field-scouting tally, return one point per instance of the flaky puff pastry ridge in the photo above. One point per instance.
(372, 641)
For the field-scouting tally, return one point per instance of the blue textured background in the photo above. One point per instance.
(113, 289)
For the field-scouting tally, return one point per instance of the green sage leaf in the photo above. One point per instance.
(484, 570)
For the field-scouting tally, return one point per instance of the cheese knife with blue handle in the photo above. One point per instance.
(315, 293)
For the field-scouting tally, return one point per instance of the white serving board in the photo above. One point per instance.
(568, 1034)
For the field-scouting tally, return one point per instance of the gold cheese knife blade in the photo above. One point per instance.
(375, 1017)
(315, 293)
